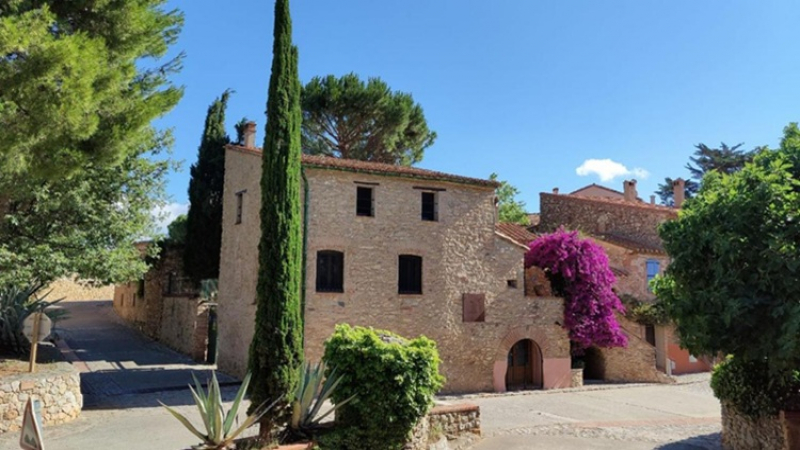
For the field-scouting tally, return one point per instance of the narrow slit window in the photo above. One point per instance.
(429, 207)
(330, 271)
(364, 202)
(239, 204)
(409, 280)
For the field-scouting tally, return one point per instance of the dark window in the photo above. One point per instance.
(409, 280)
(330, 271)
(429, 206)
(239, 201)
(511, 283)
(650, 334)
(364, 202)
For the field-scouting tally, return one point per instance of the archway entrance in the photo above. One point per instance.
(524, 366)
(595, 364)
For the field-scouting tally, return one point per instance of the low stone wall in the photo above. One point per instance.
(740, 432)
(456, 423)
(58, 388)
(577, 377)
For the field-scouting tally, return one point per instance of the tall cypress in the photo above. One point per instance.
(204, 220)
(276, 352)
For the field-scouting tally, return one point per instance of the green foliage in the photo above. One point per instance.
(204, 222)
(726, 160)
(176, 230)
(219, 432)
(276, 351)
(644, 313)
(393, 380)
(347, 118)
(82, 82)
(733, 283)
(15, 305)
(752, 389)
(509, 208)
(309, 397)
(86, 225)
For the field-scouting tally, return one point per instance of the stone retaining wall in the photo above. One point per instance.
(740, 432)
(58, 388)
(461, 422)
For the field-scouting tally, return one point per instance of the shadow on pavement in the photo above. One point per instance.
(711, 441)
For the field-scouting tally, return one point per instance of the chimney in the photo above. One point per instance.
(679, 191)
(555, 191)
(250, 135)
(629, 189)
(652, 199)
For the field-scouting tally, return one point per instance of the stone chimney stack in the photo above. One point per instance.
(629, 189)
(555, 191)
(679, 192)
(250, 135)
(652, 199)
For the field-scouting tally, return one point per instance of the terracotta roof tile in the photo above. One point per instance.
(515, 232)
(353, 165)
(616, 201)
(630, 243)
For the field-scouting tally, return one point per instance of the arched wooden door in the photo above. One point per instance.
(524, 366)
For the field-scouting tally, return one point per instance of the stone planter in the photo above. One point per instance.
(577, 378)
(740, 432)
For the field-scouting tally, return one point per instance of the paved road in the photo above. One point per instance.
(676, 417)
(124, 376)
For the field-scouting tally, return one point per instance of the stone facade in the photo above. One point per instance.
(461, 253)
(740, 432)
(634, 363)
(58, 389)
(165, 307)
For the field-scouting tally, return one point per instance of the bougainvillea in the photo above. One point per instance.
(578, 271)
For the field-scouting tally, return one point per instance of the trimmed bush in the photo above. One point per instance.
(393, 381)
(752, 389)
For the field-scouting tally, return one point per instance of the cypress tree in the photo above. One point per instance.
(204, 220)
(276, 352)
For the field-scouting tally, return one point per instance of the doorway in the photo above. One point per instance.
(524, 366)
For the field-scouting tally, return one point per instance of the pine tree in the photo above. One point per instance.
(276, 352)
(204, 221)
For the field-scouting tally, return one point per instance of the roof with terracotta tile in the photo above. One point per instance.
(517, 233)
(614, 201)
(588, 186)
(353, 165)
(638, 245)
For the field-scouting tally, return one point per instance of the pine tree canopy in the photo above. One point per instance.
(82, 81)
(347, 118)
(509, 209)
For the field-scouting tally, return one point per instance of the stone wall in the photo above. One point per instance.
(58, 388)
(461, 255)
(740, 432)
(636, 220)
(634, 363)
(461, 422)
(165, 307)
(633, 265)
(71, 289)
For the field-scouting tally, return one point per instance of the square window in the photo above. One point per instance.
(429, 207)
(511, 283)
(364, 202)
(409, 280)
(330, 271)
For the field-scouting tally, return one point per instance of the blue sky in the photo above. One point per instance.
(528, 89)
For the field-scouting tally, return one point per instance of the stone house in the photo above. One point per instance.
(627, 228)
(165, 305)
(409, 250)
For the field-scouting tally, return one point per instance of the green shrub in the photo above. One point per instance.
(752, 389)
(393, 380)
(644, 313)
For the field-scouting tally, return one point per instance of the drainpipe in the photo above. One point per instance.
(306, 198)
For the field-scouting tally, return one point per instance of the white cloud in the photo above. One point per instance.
(607, 169)
(165, 214)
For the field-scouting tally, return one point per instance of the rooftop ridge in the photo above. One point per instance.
(615, 202)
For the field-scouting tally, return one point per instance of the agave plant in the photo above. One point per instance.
(218, 424)
(15, 305)
(309, 397)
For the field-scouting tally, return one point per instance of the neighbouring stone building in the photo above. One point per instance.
(165, 305)
(627, 228)
(409, 250)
